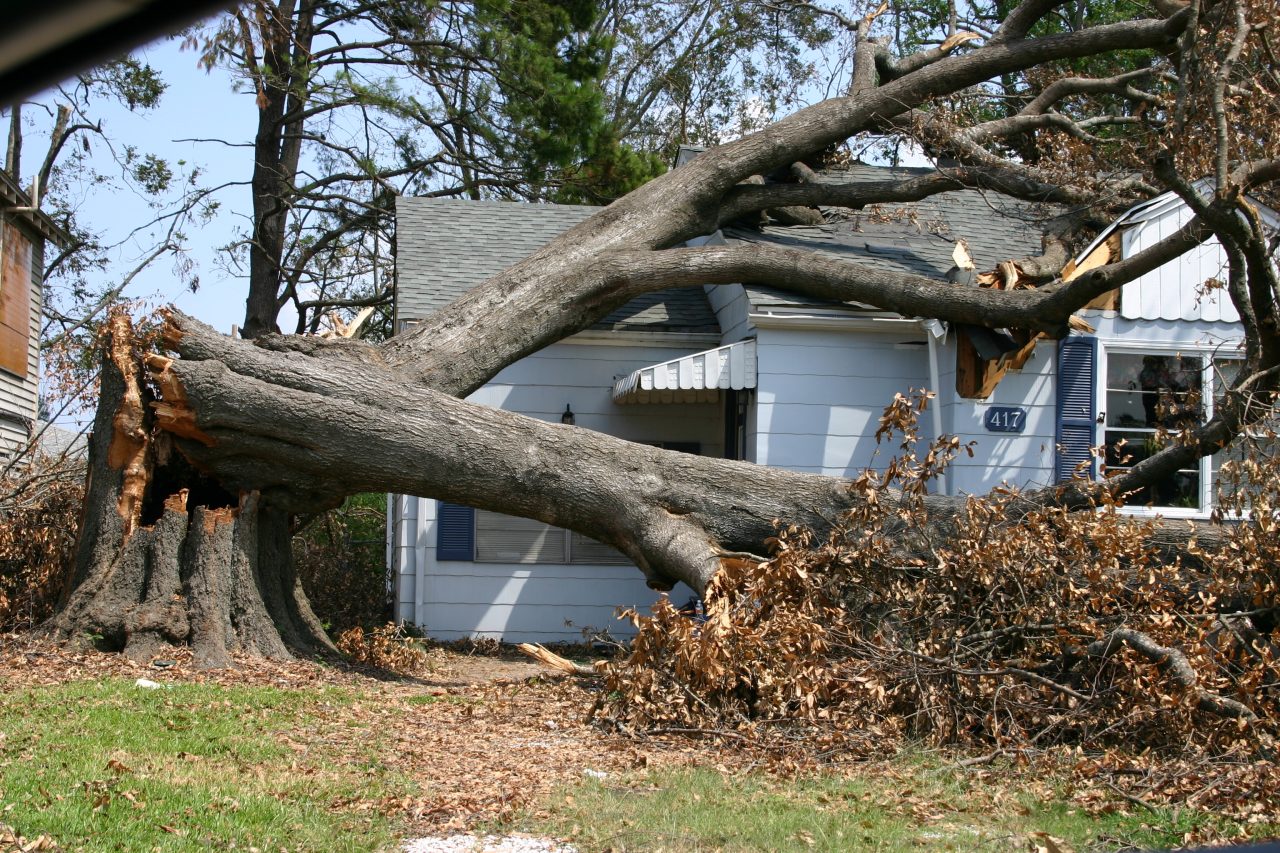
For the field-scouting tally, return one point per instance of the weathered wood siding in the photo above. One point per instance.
(19, 301)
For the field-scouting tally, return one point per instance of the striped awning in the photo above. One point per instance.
(699, 377)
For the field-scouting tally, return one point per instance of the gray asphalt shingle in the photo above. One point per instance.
(916, 237)
(447, 246)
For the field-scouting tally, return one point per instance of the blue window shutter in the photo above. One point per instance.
(455, 532)
(1077, 405)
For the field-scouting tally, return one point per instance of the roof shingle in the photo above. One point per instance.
(916, 237)
(445, 247)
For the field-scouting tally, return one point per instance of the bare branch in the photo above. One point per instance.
(892, 67)
(1019, 22)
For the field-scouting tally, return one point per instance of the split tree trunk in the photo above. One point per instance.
(168, 557)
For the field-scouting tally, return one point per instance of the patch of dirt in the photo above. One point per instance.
(459, 669)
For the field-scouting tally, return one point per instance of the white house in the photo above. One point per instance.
(23, 234)
(750, 372)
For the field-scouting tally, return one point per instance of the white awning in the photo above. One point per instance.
(692, 378)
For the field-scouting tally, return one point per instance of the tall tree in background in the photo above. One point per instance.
(359, 101)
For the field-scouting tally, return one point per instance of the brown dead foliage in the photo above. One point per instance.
(39, 515)
(10, 840)
(387, 647)
(1064, 630)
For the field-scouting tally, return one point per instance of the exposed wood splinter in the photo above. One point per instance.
(215, 518)
(181, 422)
(128, 450)
(170, 335)
(177, 502)
(173, 412)
(554, 661)
(1106, 252)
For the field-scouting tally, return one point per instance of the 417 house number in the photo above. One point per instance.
(1004, 419)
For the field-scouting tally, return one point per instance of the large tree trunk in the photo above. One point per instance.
(166, 556)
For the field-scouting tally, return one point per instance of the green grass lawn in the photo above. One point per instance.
(111, 766)
(912, 802)
(108, 766)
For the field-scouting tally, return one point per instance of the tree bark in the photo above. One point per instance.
(168, 557)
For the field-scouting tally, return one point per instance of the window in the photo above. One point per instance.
(1148, 399)
(511, 539)
(482, 536)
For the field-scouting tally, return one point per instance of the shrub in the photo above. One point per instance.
(40, 501)
(341, 561)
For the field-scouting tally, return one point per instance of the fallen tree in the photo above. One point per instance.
(202, 455)
(1066, 635)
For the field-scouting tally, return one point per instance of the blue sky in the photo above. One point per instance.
(197, 105)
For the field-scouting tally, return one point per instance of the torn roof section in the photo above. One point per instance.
(916, 237)
(445, 247)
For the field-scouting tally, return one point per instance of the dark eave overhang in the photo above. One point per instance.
(14, 203)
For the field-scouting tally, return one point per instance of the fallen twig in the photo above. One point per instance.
(554, 661)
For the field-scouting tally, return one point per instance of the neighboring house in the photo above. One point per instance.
(751, 372)
(23, 234)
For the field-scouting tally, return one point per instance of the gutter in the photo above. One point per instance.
(880, 323)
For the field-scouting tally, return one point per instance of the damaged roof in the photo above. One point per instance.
(445, 247)
(915, 237)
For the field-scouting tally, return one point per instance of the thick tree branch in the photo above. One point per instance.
(1018, 23)
(1120, 84)
(745, 198)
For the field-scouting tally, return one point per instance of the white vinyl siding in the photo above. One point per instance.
(515, 602)
(820, 394)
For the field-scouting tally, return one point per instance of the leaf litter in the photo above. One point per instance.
(485, 739)
(481, 737)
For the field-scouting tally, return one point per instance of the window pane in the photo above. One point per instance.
(1126, 448)
(1153, 390)
(508, 539)
(584, 549)
(1181, 491)
(1148, 396)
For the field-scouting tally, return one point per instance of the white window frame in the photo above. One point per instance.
(1208, 354)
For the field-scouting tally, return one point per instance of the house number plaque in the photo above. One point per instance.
(1004, 419)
